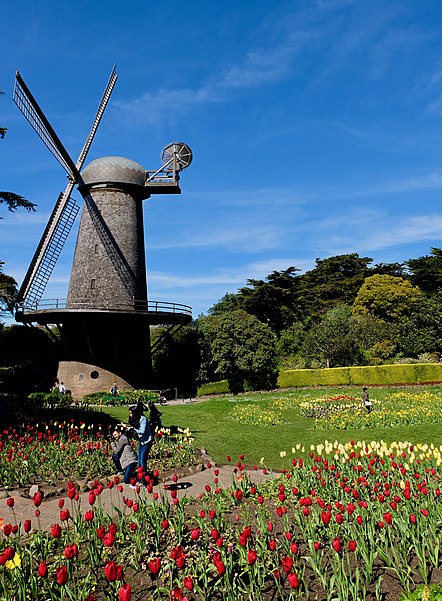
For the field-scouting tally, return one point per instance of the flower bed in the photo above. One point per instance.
(396, 410)
(350, 522)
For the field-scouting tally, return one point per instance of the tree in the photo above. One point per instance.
(272, 301)
(330, 341)
(332, 281)
(176, 362)
(8, 291)
(241, 349)
(386, 297)
(12, 200)
(229, 302)
(426, 272)
(421, 332)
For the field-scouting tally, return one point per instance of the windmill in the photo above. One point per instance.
(104, 323)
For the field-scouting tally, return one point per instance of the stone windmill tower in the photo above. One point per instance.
(104, 325)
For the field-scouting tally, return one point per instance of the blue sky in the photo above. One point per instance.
(315, 127)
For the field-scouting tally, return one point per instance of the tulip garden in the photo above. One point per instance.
(341, 521)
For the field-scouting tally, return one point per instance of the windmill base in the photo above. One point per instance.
(83, 378)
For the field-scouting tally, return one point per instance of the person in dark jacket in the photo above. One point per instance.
(366, 400)
(124, 457)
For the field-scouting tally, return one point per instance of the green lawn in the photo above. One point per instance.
(211, 424)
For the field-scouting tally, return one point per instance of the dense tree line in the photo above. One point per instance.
(342, 312)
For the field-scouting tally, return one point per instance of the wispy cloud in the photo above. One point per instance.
(229, 276)
(234, 237)
(259, 67)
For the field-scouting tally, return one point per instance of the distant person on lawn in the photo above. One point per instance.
(366, 400)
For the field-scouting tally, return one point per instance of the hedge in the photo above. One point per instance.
(414, 373)
(221, 387)
(398, 373)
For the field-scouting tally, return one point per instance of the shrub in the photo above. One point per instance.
(127, 397)
(221, 387)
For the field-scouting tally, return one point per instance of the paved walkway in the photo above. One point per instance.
(189, 485)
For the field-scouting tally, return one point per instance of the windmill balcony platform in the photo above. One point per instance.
(54, 311)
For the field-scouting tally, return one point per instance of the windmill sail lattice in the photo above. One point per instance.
(59, 225)
(65, 210)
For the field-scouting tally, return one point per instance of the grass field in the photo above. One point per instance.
(215, 426)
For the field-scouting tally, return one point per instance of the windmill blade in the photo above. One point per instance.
(101, 108)
(65, 211)
(50, 246)
(38, 121)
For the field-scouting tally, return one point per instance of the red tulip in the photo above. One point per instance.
(89, 515)
(352, 545)
(61, 503)
(10, 502)
(413, 518)
(42, 569)
(124, 592)
(92, 498)
(108, 539)
(71, 551)
(64, 515)
(56, 531)
(38, 498)
(252, 557)
(164, 524)
(325, 517)
(272, 544)
(336, 544)
(110, 570)
(293, 580)
(287, 564)
(388, 517)
(188, 583)
(221, 568)
(27, 525)
(61, 574)
(154, 565)
(195, 534)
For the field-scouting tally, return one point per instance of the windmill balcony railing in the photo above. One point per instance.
(60, 304)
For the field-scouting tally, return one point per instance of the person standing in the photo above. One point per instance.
(366, 400)
(124, 456)
(62, 388)
(139, 426)
(155, 422)
(114, 390)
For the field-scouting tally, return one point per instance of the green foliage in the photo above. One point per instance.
(423, 592)
(335, 280)
(370, 375)
(176, 360)
(426, 272)
(330, 340)
(421, 332)
(242, 349)
(221, 387)
(126, 397)
(8, 291)
(386, 297)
